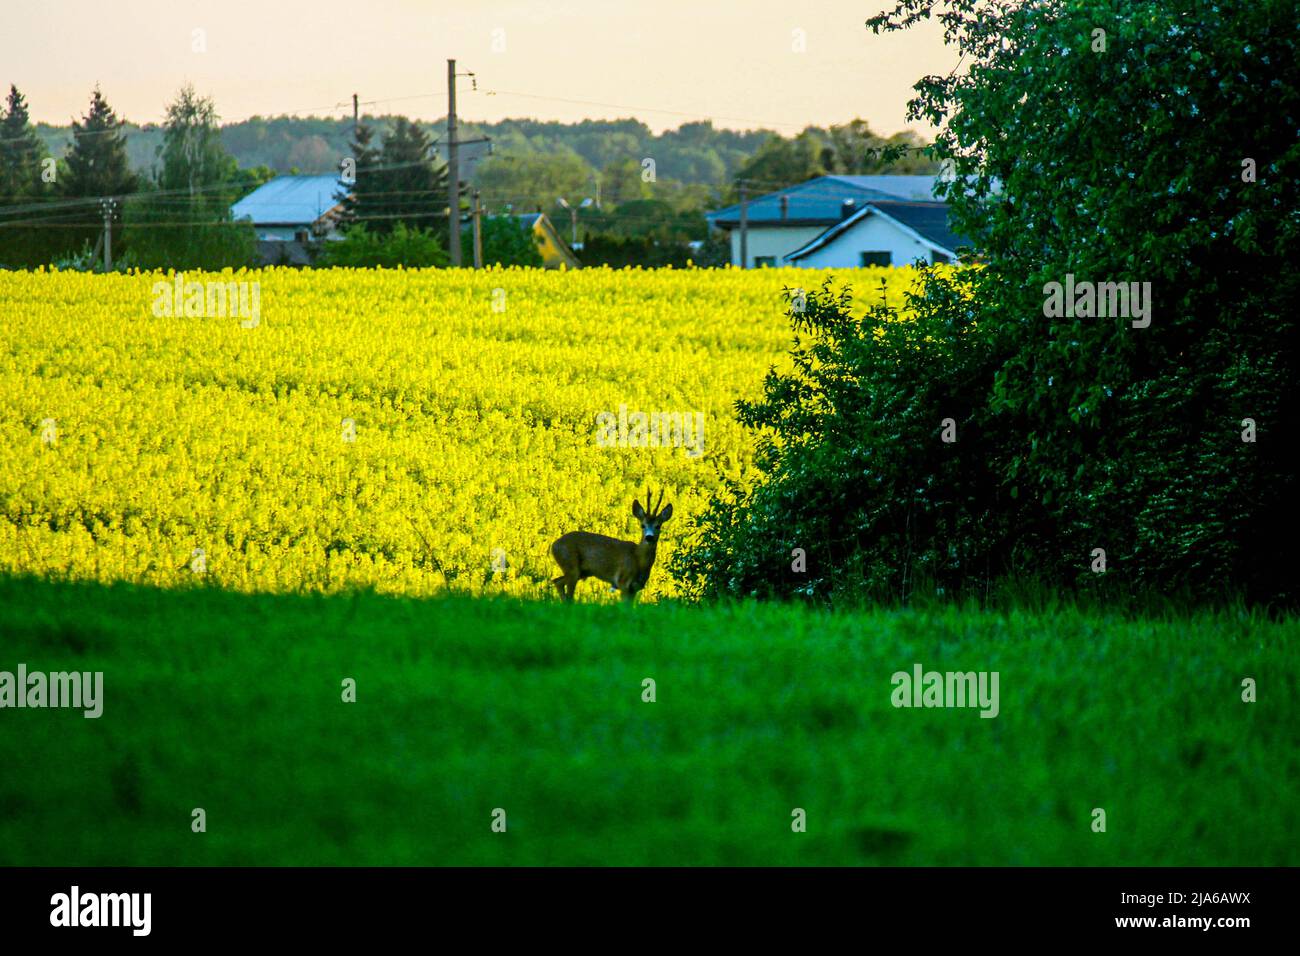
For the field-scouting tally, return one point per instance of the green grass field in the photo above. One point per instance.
(232, 703)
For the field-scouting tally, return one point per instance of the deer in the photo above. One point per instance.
(623, 565)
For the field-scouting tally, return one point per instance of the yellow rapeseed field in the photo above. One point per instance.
(408, 431)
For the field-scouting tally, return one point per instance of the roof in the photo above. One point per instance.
(819, 201)
(290, 200)
(919, 188)
(554, 249)
(539, 222)
(927, 220)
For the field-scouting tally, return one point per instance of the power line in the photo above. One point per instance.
(180, 199)
(181, 193)
(133, 127)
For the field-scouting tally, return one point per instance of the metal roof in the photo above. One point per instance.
(929, 220)
(290, 200)
(918, 188)
(819, 201)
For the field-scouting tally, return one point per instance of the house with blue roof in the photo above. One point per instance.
(291, 214)
(843, 222)
(884, 232)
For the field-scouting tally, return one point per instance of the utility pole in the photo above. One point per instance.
(573, 215)
(108, 205)
(478, 233)
(356, 119)
(744, 226)
(453, 169)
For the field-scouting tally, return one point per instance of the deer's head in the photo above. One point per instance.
(651, 521)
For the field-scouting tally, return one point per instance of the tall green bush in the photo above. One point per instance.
(1152, 142)
(402, 246)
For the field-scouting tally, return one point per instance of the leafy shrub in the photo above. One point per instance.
(404, 246)
(629, 251)
(854, 471)
(165, 232)
(1122, 164)
(506, 242)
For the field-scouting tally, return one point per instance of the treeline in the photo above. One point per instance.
(631, 195)
(53, 208)
(694, 153)
(177, 214)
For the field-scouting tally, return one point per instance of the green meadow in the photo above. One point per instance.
(233, 703)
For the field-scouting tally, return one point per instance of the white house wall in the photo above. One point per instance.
(870, 234)
(773, 241)
(277, 233)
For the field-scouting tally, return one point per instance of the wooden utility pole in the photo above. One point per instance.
(356, 119)
(478, 233)
(453, 169)
(744, 227)
(107, 205)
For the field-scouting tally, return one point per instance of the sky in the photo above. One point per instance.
(745, 64)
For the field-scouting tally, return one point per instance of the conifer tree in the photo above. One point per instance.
(359, 168)
(97, 163)
(96, 166)
(25, 185)
(407, 186)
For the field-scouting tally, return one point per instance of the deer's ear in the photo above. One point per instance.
(637, 511)
(666, 513)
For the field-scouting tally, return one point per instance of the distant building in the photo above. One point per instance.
(884, 232)
(291, 215)
(555, 251)
(843, 221)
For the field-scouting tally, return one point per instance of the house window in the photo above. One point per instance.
(877, 259)
(761, 262)
(938, 257)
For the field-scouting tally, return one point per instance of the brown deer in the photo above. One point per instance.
(621, 564)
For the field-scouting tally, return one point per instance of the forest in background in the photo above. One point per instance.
(622, 193)
(534, 161)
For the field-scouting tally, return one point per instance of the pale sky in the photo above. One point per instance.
(664, 62)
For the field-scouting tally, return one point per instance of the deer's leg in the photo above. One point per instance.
(569, 565)
(565, 585)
